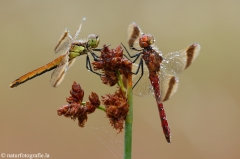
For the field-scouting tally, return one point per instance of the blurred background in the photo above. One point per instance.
(203, 115)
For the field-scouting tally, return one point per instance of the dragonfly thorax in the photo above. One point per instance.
(78, 48)
(146, 40)
(152, 59)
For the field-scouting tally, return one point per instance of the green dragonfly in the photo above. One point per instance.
(71, 48)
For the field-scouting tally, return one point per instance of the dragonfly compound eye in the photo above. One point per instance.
(93, 40)
(146, 40)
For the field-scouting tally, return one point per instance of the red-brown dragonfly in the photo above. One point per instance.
(160, 75)
(71, 48)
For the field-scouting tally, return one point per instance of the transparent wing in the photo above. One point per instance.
(63, 42)
(71, 62)
(66, 39)
(60, 72)
(168, 84)
(176, 62)
(79, 29)
(172, 64)
(143, 87)
(134, 32)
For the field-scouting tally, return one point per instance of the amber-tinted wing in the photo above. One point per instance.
(173, 63)
(176, 62)
(168, 84)
(134, 32)
(66, 39)
(60, 72)
(63, 42)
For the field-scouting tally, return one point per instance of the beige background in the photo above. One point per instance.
(204, 114)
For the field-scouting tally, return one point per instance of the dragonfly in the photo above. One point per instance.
(159, 74)
(71, 48)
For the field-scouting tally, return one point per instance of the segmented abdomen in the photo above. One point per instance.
(155, 83)
(30, 75)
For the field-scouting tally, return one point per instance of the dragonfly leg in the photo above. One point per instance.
(127, 57)
(89, 67)
(137, 55)
(97, 50)
(142, 70)
(133, 48)
(95, 57)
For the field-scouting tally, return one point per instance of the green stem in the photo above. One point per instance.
(101, 108)
(129, 118)
(128, 123)
(120, 82)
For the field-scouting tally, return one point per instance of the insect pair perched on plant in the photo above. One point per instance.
(158, 77)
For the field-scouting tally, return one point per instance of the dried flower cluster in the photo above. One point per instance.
(110, 62)
(116, 108)
(75, 108)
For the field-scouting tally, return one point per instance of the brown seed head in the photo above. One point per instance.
(116, 108)
(75, 108)
(111, 61)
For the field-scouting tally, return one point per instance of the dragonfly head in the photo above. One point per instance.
(146, 40)
(93, 40)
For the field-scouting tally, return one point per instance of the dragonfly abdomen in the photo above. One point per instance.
(30, 75)
(155, 84)
(166, 129)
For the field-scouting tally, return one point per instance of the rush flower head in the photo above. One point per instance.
(76, 94)
(110, 62)
(116, 108)
(75, 108)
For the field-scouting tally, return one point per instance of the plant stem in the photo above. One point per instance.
(102, 108)
(128, 122)
(120, 82)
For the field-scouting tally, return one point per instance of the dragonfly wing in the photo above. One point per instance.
(134, 32)
(60, 72)
(177, 62)
(71, 62)
(63, 42)
(79, 29)
(143, 87)
(168, 85)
